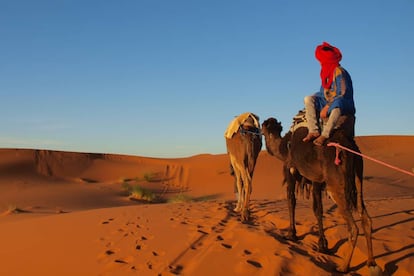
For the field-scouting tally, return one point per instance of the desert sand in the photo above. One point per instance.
(67, 213)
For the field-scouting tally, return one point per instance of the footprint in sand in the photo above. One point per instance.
(107, 221)
(219, 228)
(254, 263)
(176, 270)
(139, 245)
(109, 252)
(124, 260)
(225, 245)
(247, 252)
(202, 232)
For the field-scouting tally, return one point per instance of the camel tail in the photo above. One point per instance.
(351, 191)
(255, 145)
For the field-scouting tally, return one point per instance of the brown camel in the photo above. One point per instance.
(244, 142)
(293, 179)
(317, 164)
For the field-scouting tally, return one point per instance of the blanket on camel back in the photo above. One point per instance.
(246, 119)
(345, 122)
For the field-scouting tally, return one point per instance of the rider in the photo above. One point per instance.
(335, 97)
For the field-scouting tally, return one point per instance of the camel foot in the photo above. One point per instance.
(237, 209)
(291, 236)
(375, 271)
(245, 214)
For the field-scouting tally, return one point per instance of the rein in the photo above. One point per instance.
(337, 145)
(256, 132)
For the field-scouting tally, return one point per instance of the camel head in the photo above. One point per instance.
(271, 129)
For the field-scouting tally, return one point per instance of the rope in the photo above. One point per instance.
(257, 132)
(337, 145)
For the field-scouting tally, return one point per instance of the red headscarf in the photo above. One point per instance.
(329, 57)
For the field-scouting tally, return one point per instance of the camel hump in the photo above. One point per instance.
(246, 119)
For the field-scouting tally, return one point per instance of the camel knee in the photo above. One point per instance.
(247, 188)
(366, 220)
(353, 233)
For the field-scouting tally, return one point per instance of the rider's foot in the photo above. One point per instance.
(320, 140)
(311, 136)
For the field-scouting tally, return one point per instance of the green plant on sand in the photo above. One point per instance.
(138, 193)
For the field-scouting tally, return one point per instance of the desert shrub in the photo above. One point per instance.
(137, 192)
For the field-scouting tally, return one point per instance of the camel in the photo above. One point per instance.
(243, 142)
(293, 179)
(317, 164)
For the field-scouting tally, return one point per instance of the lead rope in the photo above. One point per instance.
(337, 145)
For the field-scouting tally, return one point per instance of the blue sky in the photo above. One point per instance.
(163, 78)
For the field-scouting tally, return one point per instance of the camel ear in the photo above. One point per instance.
(279, 125)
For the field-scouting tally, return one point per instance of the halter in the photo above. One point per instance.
(256, 131)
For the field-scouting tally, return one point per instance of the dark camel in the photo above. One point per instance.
(317, 164)
(243, 148)
(280, 149)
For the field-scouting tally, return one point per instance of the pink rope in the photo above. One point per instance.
(337, 145)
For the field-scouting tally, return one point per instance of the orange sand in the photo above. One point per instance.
(69, 214)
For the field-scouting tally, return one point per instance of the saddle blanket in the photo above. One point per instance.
(239, 121)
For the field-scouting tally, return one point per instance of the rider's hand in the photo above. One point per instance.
(324, 112)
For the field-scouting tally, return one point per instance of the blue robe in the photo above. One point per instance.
(340, 95)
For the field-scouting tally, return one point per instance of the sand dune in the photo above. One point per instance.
(67, 213)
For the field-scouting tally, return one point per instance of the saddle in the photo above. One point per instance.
(345, 122)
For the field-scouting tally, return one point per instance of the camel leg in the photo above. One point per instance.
(362, 211)
(367, 227)
(247, 189)
(239, 184)
(291, 198)
(352, 233)
(318, 212)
